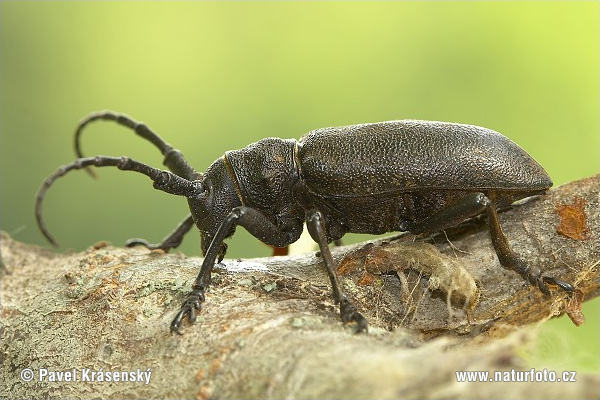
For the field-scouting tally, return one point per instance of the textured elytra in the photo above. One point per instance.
(408, 155)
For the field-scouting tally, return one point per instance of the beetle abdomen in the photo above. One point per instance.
(409, 155)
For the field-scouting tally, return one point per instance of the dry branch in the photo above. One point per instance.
(269, 329)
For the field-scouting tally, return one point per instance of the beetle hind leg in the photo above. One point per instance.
(510, 260)
(470, 206)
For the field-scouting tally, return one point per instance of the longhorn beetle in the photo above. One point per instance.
(409, 175)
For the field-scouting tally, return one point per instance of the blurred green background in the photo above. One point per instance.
(212, 76)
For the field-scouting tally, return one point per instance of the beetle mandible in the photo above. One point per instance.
(408, 175)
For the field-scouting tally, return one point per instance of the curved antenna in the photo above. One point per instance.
(163, 180)
(173, 159)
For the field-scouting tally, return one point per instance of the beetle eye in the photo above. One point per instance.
(199, 187)
(203, 192)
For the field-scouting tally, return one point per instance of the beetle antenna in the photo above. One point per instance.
(163, 180)
(173, 159)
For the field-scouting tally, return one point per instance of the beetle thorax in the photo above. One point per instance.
(264, 174)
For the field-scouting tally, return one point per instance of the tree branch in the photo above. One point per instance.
(269, 328)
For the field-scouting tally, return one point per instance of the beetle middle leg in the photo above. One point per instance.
(315, 223)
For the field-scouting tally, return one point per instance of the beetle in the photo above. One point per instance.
(407, 175)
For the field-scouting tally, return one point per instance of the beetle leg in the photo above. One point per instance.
(315, 222)
(172, 241)
(470, 206)
(257, 225)
(510, 260)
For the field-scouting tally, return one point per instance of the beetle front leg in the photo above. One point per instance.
(258, 226)
(315, 222)
(172, 241)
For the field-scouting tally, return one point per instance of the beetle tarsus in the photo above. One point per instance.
(567, 287)
(533, 276)
(350, 315)
(539, 282)
(189, 309)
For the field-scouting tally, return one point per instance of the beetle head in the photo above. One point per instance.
(211, 206)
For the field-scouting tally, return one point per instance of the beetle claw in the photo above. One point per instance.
(567, 287)
(542, 286)
(535, 278)
(542, 281)
(189, 309)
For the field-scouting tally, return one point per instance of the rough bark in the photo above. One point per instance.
(269, 329)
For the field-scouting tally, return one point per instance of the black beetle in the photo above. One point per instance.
(409, 175)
